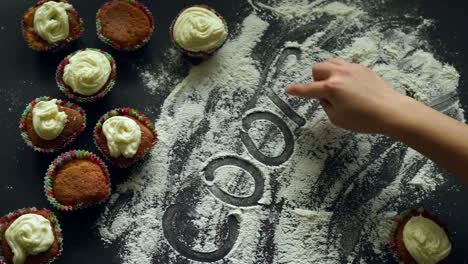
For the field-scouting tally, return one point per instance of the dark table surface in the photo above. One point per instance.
(26, 75)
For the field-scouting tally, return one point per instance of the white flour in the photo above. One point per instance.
(304, 10)
(162, 80)
(332, 200)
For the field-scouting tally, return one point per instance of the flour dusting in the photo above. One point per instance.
(327, 195)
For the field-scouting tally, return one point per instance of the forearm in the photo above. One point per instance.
(435, 135)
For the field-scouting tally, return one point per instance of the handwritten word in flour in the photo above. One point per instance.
(175, 211)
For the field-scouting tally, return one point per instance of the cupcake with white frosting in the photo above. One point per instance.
(30, 235)
(49, 125)
(124, 136)
(86, 75)
(51, 25)
(420, 238)
(198, 31)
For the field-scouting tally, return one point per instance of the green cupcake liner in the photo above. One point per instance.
(58, 163)
(199, 54)
(68, 91)
(52, 46)
(10, 217)
(101, 145)
(109, 41)
(24, 126)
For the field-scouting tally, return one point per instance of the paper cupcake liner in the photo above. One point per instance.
(57, 46)
(118, 112)
(109, 41)
(68, 91)
(8, 218)
(24, 118)
(59, 162)
(199, 54)
(410, 213)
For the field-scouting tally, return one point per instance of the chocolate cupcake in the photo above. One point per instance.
(49, 125)
(51, 25)
(198, 31)
(77, 179)
(418, 237)
(86, 75)
(124, 136)
(124, 24)
(31, 236)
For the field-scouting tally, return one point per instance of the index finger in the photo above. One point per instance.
(310, 90)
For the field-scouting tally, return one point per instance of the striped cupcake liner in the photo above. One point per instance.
(23, 124)
(10, 217)
(101, 145)
(57, 46)
(58, 163)
(199, 54)
(68, 91)
(111, 43)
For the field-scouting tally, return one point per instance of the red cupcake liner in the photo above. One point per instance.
(58, 163)
(68, 91)
(10, 217)
(101, 145)
(109, 41)
(397, 220)
(199, 54)
(24, 117)
(57, 46)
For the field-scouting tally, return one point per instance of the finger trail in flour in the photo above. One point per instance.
(324, 194)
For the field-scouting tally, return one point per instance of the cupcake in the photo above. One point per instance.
(124, 24)
(77, 179)
(49, 125)
(198, 31)
(419, 237)
(30, 236)
(124, 136)
(51, 25)
(86, 75)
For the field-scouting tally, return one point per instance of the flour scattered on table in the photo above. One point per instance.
(160, 81)
(332, 199)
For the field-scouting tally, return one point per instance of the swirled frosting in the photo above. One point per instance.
(48, 122)
(87, 72)
(51, 21)
(199, 29)
(123, 136)
(29, 234)
(425, 240)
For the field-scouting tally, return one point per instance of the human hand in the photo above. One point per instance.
(353, 96)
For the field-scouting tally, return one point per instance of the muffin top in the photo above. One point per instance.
(425, 240)
(125, 24)
(124, 136)
(29, 234)
(50, 125)
(198, 28)
(80, 181)
(48, 121)
(30, 237)
(51, 21)
(87, 72)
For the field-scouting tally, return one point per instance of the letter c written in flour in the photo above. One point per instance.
(170, 226)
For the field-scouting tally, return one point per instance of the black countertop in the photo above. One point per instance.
(26, 75)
